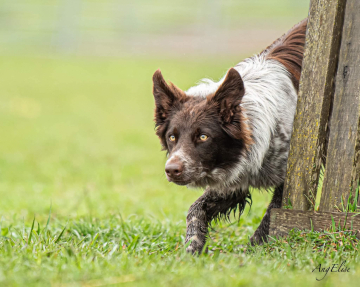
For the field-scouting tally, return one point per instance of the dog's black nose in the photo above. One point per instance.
(174, 169)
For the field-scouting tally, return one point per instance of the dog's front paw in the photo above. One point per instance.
(194, 249)
(196, 246)
(191, 250)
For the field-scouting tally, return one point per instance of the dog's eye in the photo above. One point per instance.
(172, 138)
(203, 137)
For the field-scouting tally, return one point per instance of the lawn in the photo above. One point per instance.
(78, 153)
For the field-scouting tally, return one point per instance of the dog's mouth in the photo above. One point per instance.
(178, 181)
(190, 180)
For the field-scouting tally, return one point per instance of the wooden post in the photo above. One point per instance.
(316, 89)
(284, 220)
(342, 169)
(343, 156)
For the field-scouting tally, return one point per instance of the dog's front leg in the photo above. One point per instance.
(197, 225)
(208, 206)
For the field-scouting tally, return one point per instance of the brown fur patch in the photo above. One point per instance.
(246, 131)
(289, 50)
(227, 101)
(167, 97)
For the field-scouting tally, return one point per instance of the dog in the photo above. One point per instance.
(231, 135)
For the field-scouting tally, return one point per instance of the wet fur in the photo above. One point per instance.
(249, 115)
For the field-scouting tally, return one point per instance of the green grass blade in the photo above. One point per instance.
(39, 229)
(95, 237)
(348, 204)
(333, 223)
(356, 197)
(59, 237)
(342, 204)
(32, 228)
(48, 221)
(346, 215)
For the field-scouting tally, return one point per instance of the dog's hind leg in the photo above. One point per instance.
(207, 207)
(261, 233)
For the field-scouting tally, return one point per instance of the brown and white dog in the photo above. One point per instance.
(233, 134)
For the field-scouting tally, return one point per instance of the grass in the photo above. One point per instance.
(77, 139)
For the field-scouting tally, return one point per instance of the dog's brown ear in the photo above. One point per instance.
(227, 101)
(166, 97)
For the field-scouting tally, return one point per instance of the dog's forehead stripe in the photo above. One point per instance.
(192, 113)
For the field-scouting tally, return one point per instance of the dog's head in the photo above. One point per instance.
(202, 135)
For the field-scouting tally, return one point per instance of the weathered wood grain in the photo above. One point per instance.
(315, 94)
(343, 165)
(284, 220)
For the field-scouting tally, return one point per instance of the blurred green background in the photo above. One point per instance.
(77, 134)
(76, 105)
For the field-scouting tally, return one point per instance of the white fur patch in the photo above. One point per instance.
(196, 239)
(180, 154)
(193, 219)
